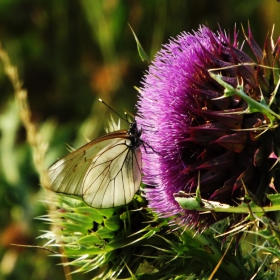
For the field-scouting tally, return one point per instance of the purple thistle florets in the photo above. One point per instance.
(193, 134)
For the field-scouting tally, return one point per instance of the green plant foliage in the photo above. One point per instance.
(131, 242)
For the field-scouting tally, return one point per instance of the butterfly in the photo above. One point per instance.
(105, 172)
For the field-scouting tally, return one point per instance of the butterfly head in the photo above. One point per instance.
(135, 135)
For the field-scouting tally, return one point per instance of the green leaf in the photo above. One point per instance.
(70, 228)
(78, 218)
(96, 215)
(69, 201)
(140, 49)
(105, 232)
(91, 240)
(112, 223)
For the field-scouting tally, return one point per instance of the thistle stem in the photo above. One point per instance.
(253, 105)
(214, 206)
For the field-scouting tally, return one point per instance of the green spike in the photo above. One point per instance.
(140, 49)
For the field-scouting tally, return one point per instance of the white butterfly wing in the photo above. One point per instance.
(105, 173)
(114, 176)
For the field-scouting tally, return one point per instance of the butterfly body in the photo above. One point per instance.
(105, 172)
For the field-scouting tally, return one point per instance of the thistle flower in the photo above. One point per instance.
(191, 133)
(198, 133)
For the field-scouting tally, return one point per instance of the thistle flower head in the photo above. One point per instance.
(198, 134)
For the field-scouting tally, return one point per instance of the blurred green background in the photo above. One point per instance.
(69, 54)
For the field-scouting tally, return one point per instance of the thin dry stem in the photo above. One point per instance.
(34, 138)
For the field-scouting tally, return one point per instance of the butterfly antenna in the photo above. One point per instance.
(127, 114)
(112, 110)
(126, 117)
